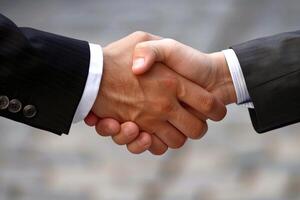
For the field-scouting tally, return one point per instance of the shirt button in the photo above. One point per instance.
(14, 106)
(29, 111)
(4, 102)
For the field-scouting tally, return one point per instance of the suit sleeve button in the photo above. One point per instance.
(14, 106)
(4, 102)
(29, 111)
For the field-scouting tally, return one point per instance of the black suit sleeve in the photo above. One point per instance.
(44, 70)
(271, 67)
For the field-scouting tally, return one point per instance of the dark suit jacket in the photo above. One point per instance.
(44, 70)
(271, 67)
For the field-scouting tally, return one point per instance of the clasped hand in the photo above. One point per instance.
(155, 93)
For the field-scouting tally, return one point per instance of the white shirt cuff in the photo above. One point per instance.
(243, 97)
(92, 85)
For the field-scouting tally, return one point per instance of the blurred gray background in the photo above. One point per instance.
(232, 162)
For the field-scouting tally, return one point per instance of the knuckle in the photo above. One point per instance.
(199, 132)
(140, 46)
(170, 41)
(179, 143)
(118, 141)
(166, 106)
(182, 91)
(142, 35)
(222, 115)
(172, 45)
(159, 152)
(169, 82)
(134, 151)
(129, 130)
(100, 130)
(208, 104)
(146, 49)
(107, 128)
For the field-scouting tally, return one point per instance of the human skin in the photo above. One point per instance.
(207, 70)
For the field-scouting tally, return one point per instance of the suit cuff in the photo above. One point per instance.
(92, 84)
(243, 97)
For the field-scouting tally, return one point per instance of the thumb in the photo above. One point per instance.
(147, 53)
(144, 57)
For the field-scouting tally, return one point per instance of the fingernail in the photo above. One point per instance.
(138, 63)
(144, 141)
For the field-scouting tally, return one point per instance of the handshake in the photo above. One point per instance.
(155, 93)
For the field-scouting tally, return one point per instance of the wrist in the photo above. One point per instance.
(224, 84)
(101, 96)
